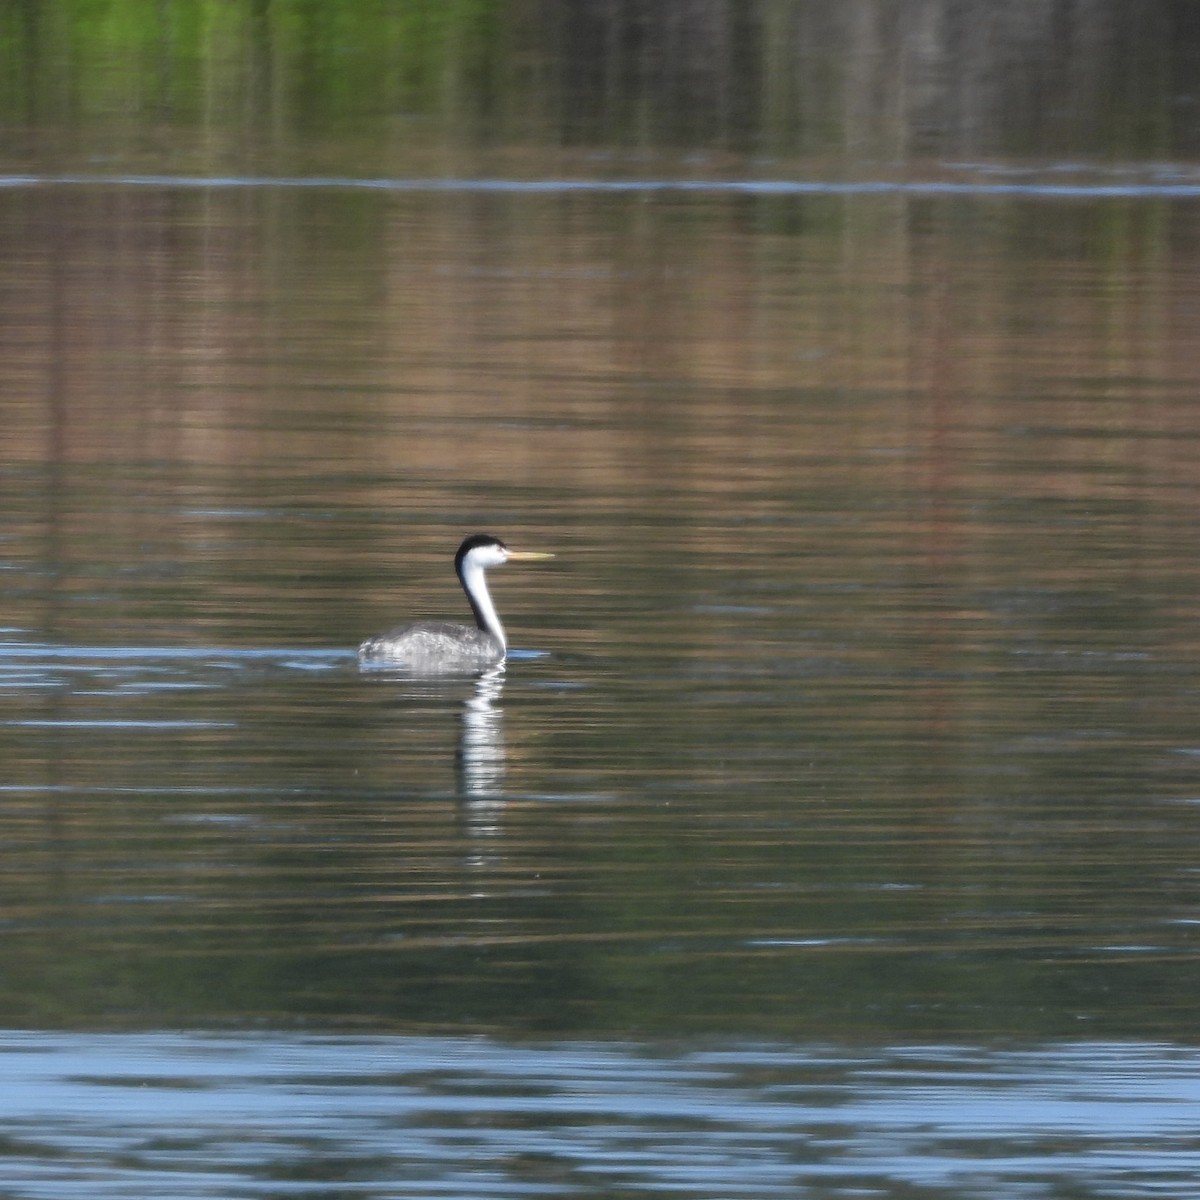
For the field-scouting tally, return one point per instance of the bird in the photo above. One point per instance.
(443, 647)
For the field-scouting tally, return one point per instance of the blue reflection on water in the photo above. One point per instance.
(1096, 189)
(117, 654)
(205, 1115)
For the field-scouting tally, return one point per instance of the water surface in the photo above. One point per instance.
(263, 1116)
(831, 829)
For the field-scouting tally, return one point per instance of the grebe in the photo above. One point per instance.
(432, 647)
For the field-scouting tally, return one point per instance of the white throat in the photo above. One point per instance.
(474, 581)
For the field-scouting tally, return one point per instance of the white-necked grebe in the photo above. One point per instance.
(431, 647)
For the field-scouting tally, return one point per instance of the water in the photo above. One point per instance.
(831, 828)
(304, 1115)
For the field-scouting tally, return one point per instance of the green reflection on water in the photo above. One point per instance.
(351, 87)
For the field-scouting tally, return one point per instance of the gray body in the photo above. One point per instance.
(432, 648)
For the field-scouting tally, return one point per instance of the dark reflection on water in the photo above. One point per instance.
(269, 1116)
(694, 839)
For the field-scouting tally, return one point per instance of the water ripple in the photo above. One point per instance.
(186, 1115)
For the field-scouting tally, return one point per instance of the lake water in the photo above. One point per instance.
(832, 828)
(303, 1115)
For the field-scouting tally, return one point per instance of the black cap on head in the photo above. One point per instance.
(474, 542)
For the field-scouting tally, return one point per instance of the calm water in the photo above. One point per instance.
(832, 829)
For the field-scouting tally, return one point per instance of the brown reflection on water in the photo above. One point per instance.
(726, 364)
(607, 348)
(289, 318)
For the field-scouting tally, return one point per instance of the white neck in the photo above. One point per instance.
(474, 581)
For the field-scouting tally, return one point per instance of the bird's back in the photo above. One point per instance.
(431, 647)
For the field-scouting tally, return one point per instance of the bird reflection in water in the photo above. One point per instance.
(480, 760)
